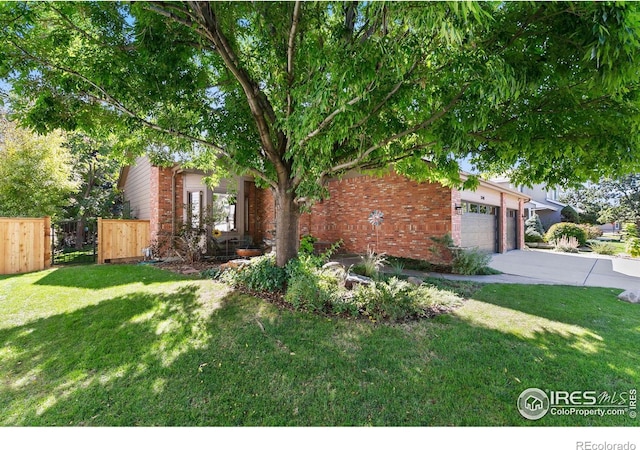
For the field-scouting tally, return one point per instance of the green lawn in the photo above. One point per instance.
(133, 345)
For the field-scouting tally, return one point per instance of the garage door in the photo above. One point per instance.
(512, 224)
(479, 230)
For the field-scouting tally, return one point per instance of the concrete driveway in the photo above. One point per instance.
(585, 269)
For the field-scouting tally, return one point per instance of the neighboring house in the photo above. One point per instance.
(490, 218)
(544, 202)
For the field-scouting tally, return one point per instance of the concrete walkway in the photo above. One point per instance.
(583, 269)
(548, 267)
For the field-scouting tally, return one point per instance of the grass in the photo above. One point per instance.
(133, 345)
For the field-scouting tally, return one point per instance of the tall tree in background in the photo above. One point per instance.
(35, 172)
(297, 93)
(610, 200)
(96, 172)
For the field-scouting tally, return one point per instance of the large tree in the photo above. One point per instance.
(609, 200)
(35, 172)
(295, 93)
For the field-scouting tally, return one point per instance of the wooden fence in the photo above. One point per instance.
(25, 244)
(122, 239)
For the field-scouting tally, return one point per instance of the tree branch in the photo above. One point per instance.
(355, 162)
(290, 52)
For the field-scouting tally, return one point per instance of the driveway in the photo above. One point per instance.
(585, 269)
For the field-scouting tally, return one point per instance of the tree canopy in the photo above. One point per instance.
(295, 93)
(609, 200)
(35, 172)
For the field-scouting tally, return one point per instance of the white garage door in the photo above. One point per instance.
(479, 227)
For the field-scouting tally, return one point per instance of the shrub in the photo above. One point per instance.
(531, 235)
(469, 261)
(591, 231)
(260, 274)
(312, 290)
(602, 248)
(630, 230)
(534, 224)
(396, 300)
(567, 244)
(569, 215)
(567, 229)
(633, 247)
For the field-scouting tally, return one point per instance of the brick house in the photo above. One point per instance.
(490, 218)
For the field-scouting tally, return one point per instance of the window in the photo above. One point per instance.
(224, 212)
(194, 209)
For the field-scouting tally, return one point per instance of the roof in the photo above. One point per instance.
(497, 187)
(538, 205)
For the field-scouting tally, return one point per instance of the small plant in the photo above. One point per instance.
(371, 264)
(633, 247)
(306, 244)
(397, 267)
(213, 273)
(567, 244)
(602, 248)
(470, 261)
(531, 235)
(567, 229)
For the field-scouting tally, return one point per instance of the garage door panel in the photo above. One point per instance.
(479, 230)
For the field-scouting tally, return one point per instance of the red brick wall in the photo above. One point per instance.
(160, 197)
(413, 212)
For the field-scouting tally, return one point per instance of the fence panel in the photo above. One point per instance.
(122, 239)
(25, 244)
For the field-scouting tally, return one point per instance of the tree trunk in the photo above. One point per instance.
(80, 233)
(287, 220)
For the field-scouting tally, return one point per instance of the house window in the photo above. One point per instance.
(224, 212)
(479, 209)
(194, 209)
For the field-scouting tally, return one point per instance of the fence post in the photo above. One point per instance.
(100, 240)
(47, 242)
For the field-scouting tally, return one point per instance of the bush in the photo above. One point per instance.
(591, 231)
(260, 274)
(569, 215)
(469, 261)
(312, 289)
(396, 300)
(534, 223)
(567, 229)
(633, 247)
(567, 244)
(630, 230)
(602, 248)
(531, 235)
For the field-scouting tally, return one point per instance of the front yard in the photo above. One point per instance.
(134, 345)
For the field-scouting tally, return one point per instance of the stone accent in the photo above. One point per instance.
(631, 296)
